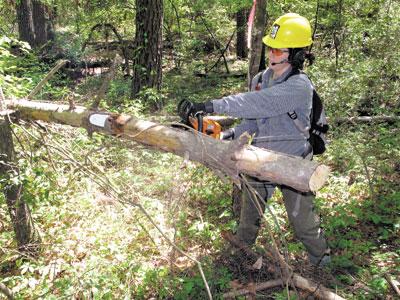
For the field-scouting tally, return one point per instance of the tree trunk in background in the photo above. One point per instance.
(257, 34)
(34, 24)
(241, 38)
(147, 60)
(42, 24)
(27, 237)
(25, 21)
(256, 62)
(39, 22)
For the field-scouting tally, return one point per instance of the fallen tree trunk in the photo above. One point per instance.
(231, 158)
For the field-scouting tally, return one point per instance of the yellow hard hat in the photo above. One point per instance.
(289, 31)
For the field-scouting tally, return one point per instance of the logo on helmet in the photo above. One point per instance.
(274, 30)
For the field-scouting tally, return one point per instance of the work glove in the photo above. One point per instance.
(227, 134)
(187, 108)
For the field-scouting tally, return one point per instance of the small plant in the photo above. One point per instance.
(152, 98)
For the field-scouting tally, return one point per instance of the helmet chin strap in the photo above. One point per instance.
(281, 62)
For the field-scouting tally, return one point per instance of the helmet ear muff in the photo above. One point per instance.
(297, 57)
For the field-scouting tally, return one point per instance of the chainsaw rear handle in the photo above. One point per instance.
(187, 108)
(199, 116)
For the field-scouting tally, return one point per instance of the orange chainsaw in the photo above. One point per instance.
(198, 121)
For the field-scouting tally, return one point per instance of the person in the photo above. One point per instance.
(266, 112)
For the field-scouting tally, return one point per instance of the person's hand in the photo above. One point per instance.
(227, 134)
(187, 108)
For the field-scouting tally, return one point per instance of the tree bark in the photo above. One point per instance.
(43, 25)
(257, 34)
(34, 24)
(231, 158)
(25, 21)
(241, 38)
(147, 60)
(27, 237)
(39, 22)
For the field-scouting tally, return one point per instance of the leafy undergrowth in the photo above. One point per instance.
(88, 197)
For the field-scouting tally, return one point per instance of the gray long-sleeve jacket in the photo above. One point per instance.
(265, 112)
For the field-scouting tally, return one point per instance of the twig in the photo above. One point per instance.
(218, 43)
(274, 250)
(223, 53)
(109, 26)
(105, 85)
(58, 66)
(257, 287)
(392, 284)
(367, 173)
(298, 281)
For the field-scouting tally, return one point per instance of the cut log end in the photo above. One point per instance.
(319, 177)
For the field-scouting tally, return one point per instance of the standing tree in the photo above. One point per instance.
(257, 33)
(42, 23)
(241, 45)
(147, 60)
(25, 21)
(27, 237)
(34, 22)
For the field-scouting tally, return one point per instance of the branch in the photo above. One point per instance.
(218, 43)
(58, 66)
(123, 45)
(299, 281)
(101, 26)
(392, 284)
(258, 287)
(223, 54)
(105, 85)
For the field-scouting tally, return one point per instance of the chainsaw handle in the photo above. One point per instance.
(199, 122)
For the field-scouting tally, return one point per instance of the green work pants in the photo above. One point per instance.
(299, 208)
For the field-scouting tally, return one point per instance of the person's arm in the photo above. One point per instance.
(287, 96)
